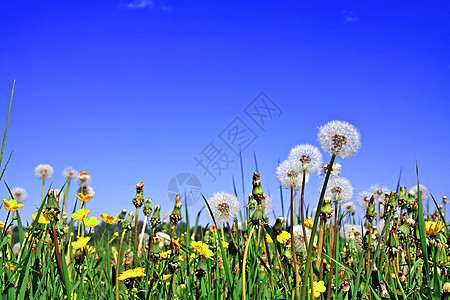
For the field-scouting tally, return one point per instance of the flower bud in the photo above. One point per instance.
(147, 207)
(126, 225)
(138, 200)
(175, 216)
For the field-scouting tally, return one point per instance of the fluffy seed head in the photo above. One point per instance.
(19, 194)
(339, 189)
(335, 170)
(70, 173)
(378, 192)
(350, 207)
(267, 202)
(43, 171)
(288, 174)
(340, 138)
(224, 206)
(306, 158)
(363, 198)
(299, 239)
(423, 189)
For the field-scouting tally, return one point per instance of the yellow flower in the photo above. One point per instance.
(92, 222)
(193, 256)
(80, 242)
(2, 226)
(269, 238)
(207, 253)
(225, 245)
(11, 205)
(180, 257)
(132, 273)
(197, 246)
(11, 267)
(213, 228)
(42, 218)
(109, 219)
(283, 237)
(80, 214)
(318, 288)
(433, 228)
(84, 198)
(165, 255)
(309, 222)
(165, 277)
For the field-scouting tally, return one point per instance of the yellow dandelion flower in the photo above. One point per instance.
(225, 245)
(309, 222)
(197, 246)
(42, 218)
(80, 242)
(193, 256)
(318, 288)
(92, 222)
(433, 228)
(109, 219)
(80, 214)
(2, 226)
(84, 198)
(269, 238)
(132, 273)
(213, 228)
(283, 237)
(165, 255)
(11, 205)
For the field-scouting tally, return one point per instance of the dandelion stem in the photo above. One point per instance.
(297, 276)
(244, 264)
(268, 255)
(118, 264)
(333, 253)
(58, 256)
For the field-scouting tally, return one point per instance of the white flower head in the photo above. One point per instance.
(224, 207)
(423, 190)
(84, 178)
(19, 194)
(299, 239)
(43, 171)
(70, 173)
(339, 189)
(87, 190)
(363, 198)
(340, 138)
(306, 158)
(378, 192)
(288, 174)
(335, 170)
(350, 207)
(267, 203)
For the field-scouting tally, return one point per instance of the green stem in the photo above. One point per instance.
(316, 221)
(297, 276)
(118, 264)
(58, 256)
(244, 264)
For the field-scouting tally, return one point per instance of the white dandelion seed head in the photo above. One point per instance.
(163, 238)
(84, 178)
(288, 174)
(70, 173)
(87, 190)
(19, 194)
(340, 138)
(299, 240)
(350, 207)
(224, 206)
(339, 189)
(423, 189)
(444, 200)
(378, 192)
(335, 170)
(267, 203)
(306, 158)
(16, 247)
(363, 198)
(43, 171)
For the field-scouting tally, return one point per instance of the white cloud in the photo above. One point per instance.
(140, 3)
(349, 16)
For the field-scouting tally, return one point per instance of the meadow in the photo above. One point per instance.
(398, 251)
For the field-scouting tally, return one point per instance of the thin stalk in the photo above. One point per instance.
(118, 264)
(58, 256)
(268, 255)
(333, 253)
(135, 233)
(316, 221)
(66, 195)
(301, 209)
(244, 264)
(141, 237)
(297, 276)
(319, 259)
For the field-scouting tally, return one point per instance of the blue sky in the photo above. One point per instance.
(134, 91)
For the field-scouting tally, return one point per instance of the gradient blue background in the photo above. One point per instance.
(132, 92)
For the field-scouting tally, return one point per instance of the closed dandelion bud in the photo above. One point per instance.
(52, 211)
(126, 225)
(410, 201)
(351, 242)
(393, 241)
(147, 207)
(251, 202)
(402, 196)
(121, 216)
(406, 226)
(201, 269)
(164, 226)
(370, 211)
(257, 191)
(441, 255)
(155, 220)
(138, 200)
(326, 210)
(257, 215)
(392, 199)
(175, 216)
(278, 226)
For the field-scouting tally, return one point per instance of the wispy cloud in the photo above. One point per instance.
(140, 3)
(349, 16)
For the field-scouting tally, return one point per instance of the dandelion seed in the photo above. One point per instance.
(335, 170)
(87, 190)
(299, 239)
(43, 171)
(378, 192)
(287, 175)
(349, 207)
(340, 138)
(306, 158)
(363, 198)
(19, 194)
(267, 202)
(339, 189)
(224, 207)
(84, 178)
(70, 173)
(425, 194)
